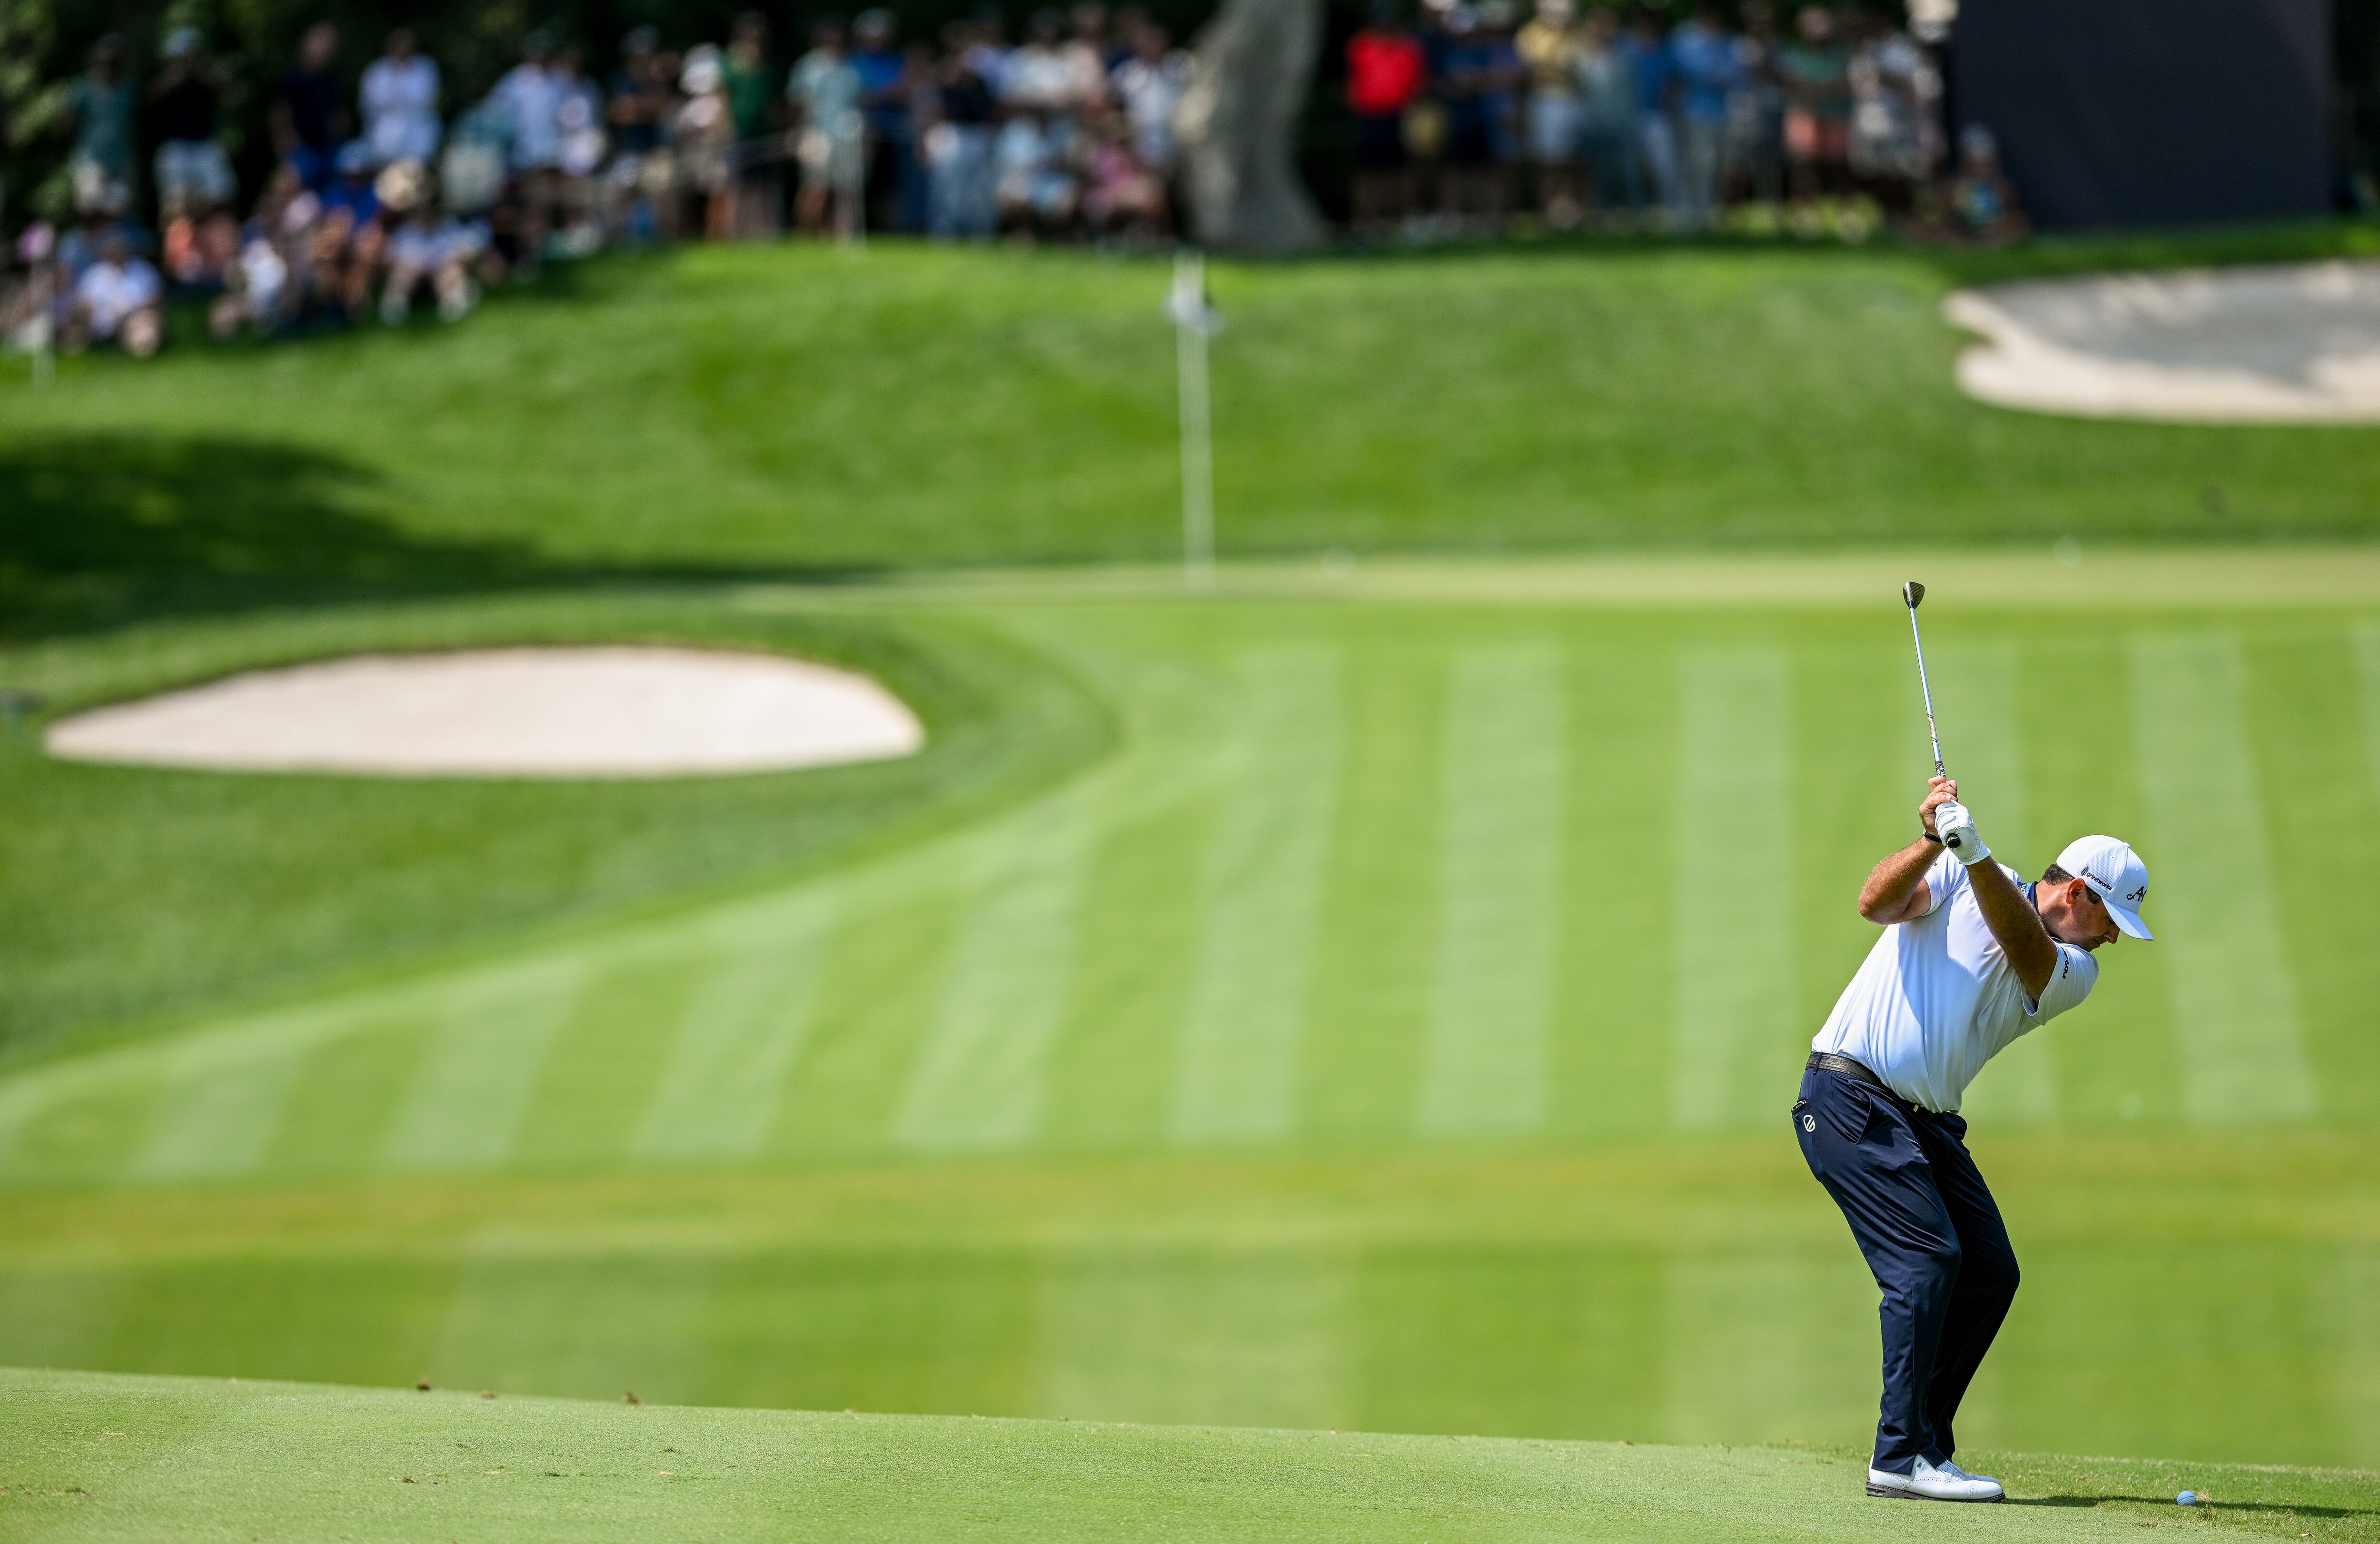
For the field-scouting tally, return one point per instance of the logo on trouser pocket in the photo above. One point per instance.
(1809, 1123)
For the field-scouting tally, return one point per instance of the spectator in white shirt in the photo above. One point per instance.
(1149, 85)
(530, 96)
(118, 300)
(1036, 75)
(400, 102)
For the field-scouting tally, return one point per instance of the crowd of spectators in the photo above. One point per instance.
(378, 201)
(1467, 115)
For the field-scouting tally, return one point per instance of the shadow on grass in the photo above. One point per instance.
(2294, 1510)
(100, 529)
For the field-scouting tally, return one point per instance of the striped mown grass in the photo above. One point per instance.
(1393, 1031)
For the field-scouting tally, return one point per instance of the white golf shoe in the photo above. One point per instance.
(1931, 1482)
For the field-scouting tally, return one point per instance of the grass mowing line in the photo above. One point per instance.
(1246, 1018)
(1500, 839)
(737, 1040)
(2241, 1051)
(1734, 935)
(95, 1457)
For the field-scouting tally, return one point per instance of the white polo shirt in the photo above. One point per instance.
(1936, 998)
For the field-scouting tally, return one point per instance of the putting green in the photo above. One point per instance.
(91, 1457)
(1392, 1031)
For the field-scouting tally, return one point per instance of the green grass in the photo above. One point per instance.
(1338, 1002)
(99, 1458)
(796, 410)
(1386, 1033)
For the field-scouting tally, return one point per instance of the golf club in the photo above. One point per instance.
(1911, 594)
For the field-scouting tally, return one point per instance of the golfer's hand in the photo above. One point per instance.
(1957, 831)
(1939, 791)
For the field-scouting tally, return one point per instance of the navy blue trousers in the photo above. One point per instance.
(1934, 1239)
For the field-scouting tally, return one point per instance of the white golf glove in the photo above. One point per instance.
(1957, 829)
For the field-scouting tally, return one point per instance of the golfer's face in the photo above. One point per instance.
(2085, 923)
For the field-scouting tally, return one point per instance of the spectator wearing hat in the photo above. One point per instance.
(1385, 74)
(426, 247)
(308, 119)
(99, 113)
(704, 134)
(399, 97)
(184, 104)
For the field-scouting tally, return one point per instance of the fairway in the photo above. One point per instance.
(1388, 1026)
(105, 1458)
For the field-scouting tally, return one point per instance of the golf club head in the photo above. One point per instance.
(1912, 593)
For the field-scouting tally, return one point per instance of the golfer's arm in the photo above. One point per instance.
(1895, 889)
(2015, 925)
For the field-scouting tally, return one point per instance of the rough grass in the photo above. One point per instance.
(793, 409)
(91, 1457)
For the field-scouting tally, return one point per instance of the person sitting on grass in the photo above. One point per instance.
(119, 300)
(431, 249)
(1982, 203)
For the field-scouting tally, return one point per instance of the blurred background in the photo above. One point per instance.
(1382, 746)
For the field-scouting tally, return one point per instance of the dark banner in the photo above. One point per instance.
(2151, 112)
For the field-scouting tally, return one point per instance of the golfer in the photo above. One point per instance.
(1970, 959)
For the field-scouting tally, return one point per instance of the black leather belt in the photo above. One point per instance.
(1827, 1061)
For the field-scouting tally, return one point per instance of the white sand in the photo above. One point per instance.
(2295, 344)
(509, 712)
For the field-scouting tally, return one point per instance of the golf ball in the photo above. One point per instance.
(2188, 1498)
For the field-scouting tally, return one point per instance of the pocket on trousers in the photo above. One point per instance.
(1805, 1127)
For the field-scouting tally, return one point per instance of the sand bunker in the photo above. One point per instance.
(2297, 344)
(509, 712)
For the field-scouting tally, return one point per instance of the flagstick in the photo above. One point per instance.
(1190, 329)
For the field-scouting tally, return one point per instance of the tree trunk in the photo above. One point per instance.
(1237, 123)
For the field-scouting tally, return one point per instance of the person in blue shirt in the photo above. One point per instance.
(1708, 73)
(896, 189)
(1655, 72)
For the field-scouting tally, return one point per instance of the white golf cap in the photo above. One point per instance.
(2115, 874)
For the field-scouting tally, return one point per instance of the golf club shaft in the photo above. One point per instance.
(1926, 690)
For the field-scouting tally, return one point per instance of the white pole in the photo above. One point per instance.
(1190, 329)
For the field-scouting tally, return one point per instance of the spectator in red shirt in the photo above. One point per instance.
(1386, 70)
